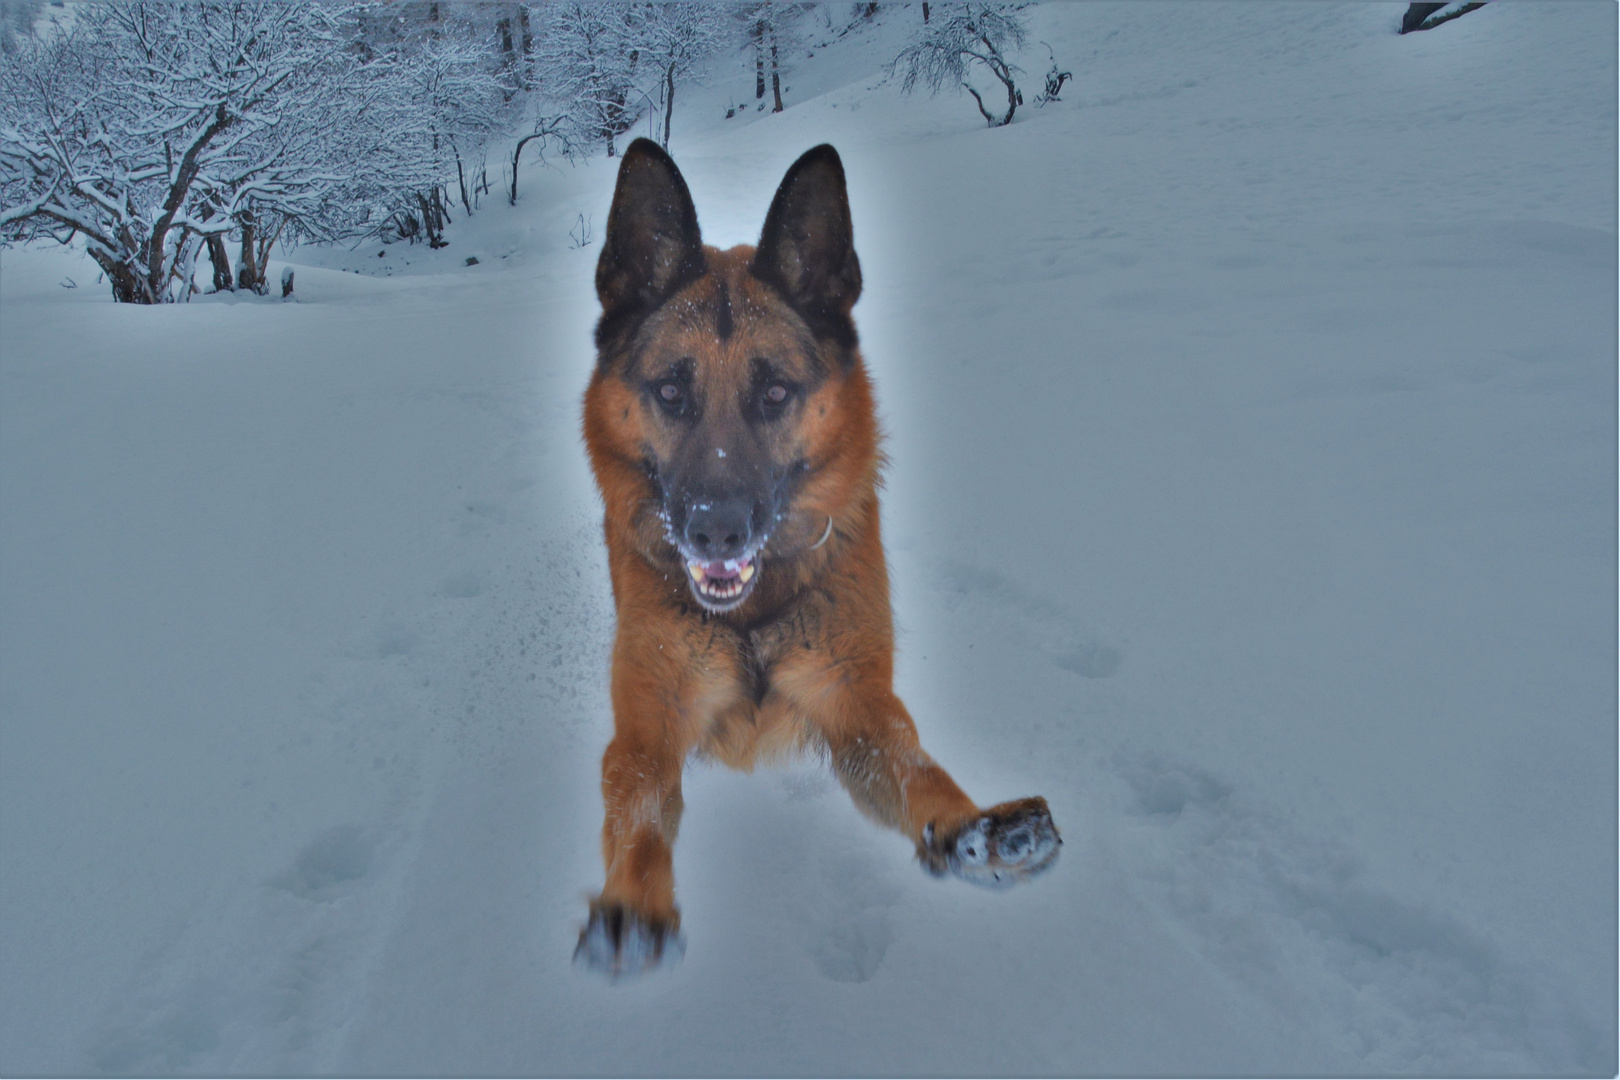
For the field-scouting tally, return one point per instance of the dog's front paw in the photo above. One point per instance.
(1004, 845)
(619, 940)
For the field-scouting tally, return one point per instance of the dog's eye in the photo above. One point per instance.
(773, 400)
(672, 398)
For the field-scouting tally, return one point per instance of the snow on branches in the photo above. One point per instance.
(589, 66)
(148, 128)
(159, 131)
(604, 65)
(772, 31)
(957, 37)
(154, 129)
(675, 39)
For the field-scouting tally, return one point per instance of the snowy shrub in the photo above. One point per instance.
(1055, 79)
(957, 36)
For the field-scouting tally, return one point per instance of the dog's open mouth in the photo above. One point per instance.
(721, 586)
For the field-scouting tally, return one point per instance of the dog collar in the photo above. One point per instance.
(824, 535)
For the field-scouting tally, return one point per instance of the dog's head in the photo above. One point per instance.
(729, 420)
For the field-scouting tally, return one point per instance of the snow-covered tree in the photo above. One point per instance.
(588, 68)
(149, 128)
(556, 130)
(772, 33)
(450, 79)
(958, 37)
(458, 100)
(674, 40)
(157, 130)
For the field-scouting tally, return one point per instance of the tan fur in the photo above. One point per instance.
(806, 661)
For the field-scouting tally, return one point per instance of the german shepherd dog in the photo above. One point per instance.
(731, 427)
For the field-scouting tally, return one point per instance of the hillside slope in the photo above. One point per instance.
(1252, 416)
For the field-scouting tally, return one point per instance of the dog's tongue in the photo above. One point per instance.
(721, 570)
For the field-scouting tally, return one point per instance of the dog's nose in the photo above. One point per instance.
(719, 529)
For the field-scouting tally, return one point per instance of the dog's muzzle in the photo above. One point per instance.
(719, 546)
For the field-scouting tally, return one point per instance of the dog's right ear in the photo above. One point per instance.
(652, 246)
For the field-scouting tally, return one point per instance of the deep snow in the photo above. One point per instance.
(1252, 415)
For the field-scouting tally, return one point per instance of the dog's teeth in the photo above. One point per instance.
(696, 570)
(747, 572)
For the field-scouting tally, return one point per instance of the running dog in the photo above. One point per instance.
(731, 427)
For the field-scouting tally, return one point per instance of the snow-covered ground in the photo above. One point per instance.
(1252, 414)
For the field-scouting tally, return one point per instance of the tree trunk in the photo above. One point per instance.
(989, 117)
(461, 180)
(759, 61)
(669, 101)
(776, 76)
(128, 287)
(406, 227)
(427, 219)
(222, 263)
(157, 271)
(998, 67)
(621, 119)
(248, 273)
(218, 256)
(512, 197)
(432, 218)
(528, 49)
(508, 57)
(185, 264)
(263, 259)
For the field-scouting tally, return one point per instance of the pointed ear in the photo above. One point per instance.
(652, 246)
(807, 249)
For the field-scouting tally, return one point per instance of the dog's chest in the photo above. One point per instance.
(762, 647)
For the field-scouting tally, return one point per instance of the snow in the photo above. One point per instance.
(1253, 499)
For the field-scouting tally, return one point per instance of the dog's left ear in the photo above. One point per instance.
(807, 248)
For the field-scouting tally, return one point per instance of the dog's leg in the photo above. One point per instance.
(634, 924)
(878, 757)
